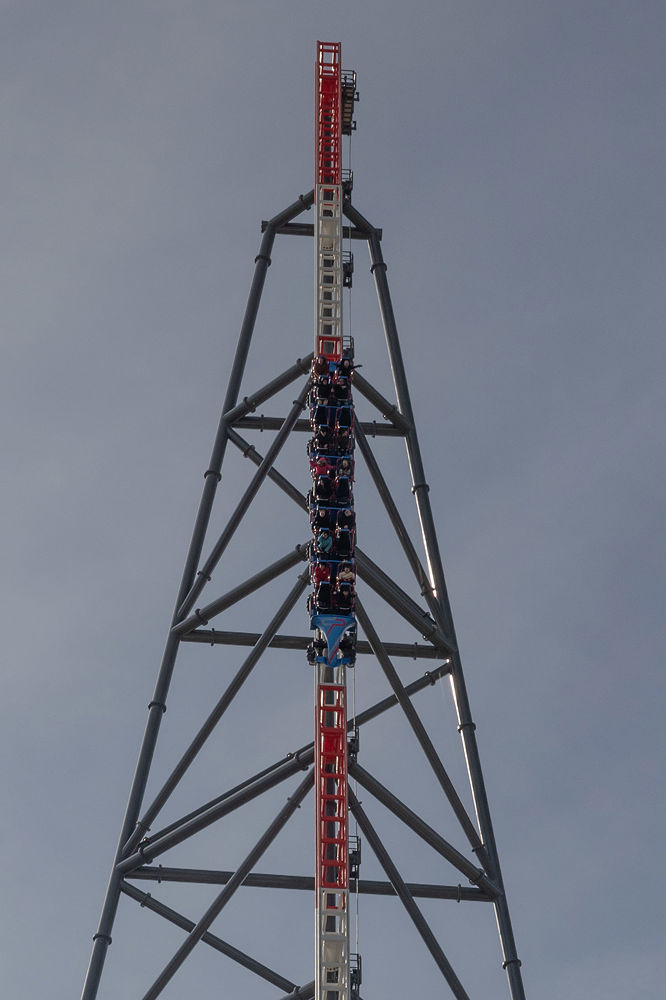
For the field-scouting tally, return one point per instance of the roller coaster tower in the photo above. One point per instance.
(343, 582)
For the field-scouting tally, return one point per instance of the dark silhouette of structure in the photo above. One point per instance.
(146, 839)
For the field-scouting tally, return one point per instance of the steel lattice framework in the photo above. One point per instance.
(327, 768)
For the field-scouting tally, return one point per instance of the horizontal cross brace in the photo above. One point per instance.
(307, 229)
(256, 880)
(262, 423)
(299, 642)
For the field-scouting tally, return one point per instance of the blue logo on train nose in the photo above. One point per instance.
(340, 634)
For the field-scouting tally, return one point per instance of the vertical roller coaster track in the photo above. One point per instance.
(328, 562)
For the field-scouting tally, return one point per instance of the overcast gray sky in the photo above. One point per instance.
(513, 152)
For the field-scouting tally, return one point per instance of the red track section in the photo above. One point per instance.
(328, 114)
(331, 770)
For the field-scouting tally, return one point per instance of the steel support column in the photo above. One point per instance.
(420, 489)
(102, 937)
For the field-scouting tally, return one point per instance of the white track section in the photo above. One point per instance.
(333, 964)
(328, 269)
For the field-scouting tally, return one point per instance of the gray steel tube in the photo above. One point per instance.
(210, 812)
(305, 883)
(162, 842)
(102, 937)
(370, 573)
(203, 575)
(406, 898)
(148, 902)
(306, 992)
(218, 711)
(418, 727)
(250, 403)
(396, 520)
(213, 637)
(262, 423)
(280, 566)
(475, 875)
(388, 410)
(249, 451)
(420, 490)
(230, 888)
